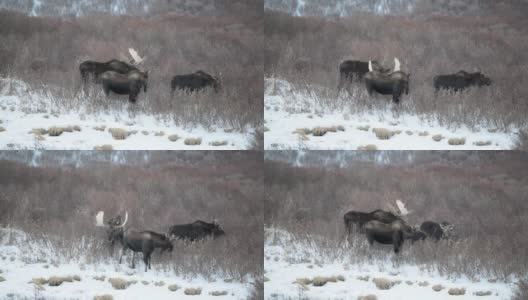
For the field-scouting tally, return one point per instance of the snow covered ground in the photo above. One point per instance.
(24, 259)
(288, 111)
(22, 111)
(288, 259)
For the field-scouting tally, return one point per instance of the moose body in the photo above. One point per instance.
(196, 231)
(196, 81)
(140, 241)
(460, 81)
(129, 84)
(387, 234)
(93, 69)
(359, 219)
(137, 241)
(354, 70)
(395, 84)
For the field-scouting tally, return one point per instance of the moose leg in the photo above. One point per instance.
(146, 260)
(397, 240)
(370, 239)
(106, 89)
(121, 255)
(133, 260)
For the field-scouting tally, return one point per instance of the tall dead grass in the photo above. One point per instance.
(483, 198)
(57, 205)
(46, 52)
(307, 51)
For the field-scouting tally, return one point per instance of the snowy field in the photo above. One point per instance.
(288, 261)
(292, 119)
(24, 261)
(26, 118)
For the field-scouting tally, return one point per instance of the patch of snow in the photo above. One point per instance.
(287, 110)
(287, 260)
(23, 110)
(19, 265)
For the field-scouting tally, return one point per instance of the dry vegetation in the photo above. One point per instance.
(483, 194)
(307, 51)
(46, 53)
(58, 205)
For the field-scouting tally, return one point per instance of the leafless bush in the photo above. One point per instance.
(46, 52)
(57, 207)
(482, 198)
(427, 45)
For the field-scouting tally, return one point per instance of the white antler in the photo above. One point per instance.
(99, 219)
(370, 65)
(401, 207)
(396, 65)
(124, 222)
(135, 56)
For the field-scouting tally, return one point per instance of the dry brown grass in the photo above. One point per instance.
(456, 141)
(118, 283)
(192, 141)
(382, 283)
(229, 43)
(427, 45)
(118, 133)
(192, 291)
(230, 190)
(456, 291)
(104, 147)
(453, 186)
(104, 297)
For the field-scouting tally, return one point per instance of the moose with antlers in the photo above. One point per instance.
(390, 227)
(117, 76)
(137, 241)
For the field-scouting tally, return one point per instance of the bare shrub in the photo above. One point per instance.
(455, 186)
(192, 141)
(437, 137)
(55, 131)
(173, 287)
(173, 137)
(118, 133)
(218, 143)
(192, 291)
(427, 45)
(482, 143)
(456, 141)
(58, 207)
(369, 147)
(456, 291)
(382, 283)
(104, 147)
(104, 297)
(382, 133)
(218, 293)
(522, 290)
(118, 283)
(368, 297)
(46, 53)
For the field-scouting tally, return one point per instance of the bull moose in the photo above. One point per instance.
(393, 233)
(93, 69)
(196, 230)
(359, 219)
(137, 241)
(196, 81)
(125, 84)
(460, 81)
(394, 83)
(354, 70)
